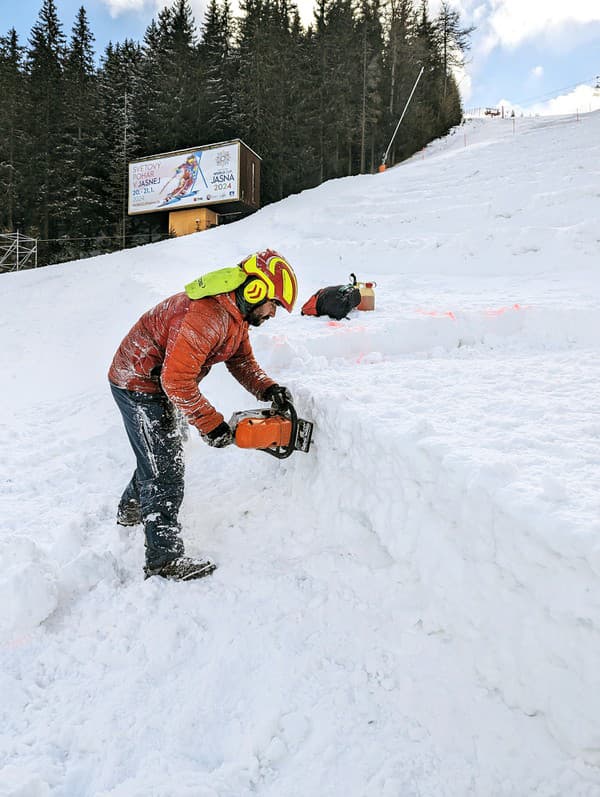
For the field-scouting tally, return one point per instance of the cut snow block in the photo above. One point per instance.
(28, 587)
(15, 782)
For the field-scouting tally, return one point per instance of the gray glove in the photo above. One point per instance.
(219, 437)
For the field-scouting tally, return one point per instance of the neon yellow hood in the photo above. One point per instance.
(215, 282)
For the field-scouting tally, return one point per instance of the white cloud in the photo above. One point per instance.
(554, 25)
(513, 21)
(464, 82)
(151, 8)
(118, 7)
(583, 99)
(509, 23)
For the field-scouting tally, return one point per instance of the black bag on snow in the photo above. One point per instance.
(336, 301)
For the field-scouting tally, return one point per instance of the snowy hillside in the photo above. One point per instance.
(410, 610)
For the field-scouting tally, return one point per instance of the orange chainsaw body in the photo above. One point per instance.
(263, 432)
(277, 431)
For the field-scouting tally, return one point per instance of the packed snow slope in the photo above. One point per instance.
(412, 608)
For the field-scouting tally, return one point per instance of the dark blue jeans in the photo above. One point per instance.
(157, 482)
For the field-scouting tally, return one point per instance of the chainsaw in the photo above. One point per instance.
(277, 431)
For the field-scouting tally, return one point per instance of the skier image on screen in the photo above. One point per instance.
(187, 174)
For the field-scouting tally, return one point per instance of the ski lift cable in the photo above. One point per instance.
(554, 92)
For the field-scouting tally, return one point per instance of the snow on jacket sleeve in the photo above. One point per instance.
(247, 371)
(190, 344)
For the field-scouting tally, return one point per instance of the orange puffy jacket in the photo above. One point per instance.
(173, 346)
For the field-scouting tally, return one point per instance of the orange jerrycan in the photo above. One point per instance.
(367, 295)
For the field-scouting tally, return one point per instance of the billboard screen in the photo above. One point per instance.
(189, 178)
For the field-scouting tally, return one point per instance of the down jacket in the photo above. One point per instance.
(173, 346)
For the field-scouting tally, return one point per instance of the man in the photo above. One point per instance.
(156, 371)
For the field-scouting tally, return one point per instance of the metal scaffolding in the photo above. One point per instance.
(17, 251)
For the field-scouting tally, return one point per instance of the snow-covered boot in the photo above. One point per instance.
(129, 513)
(183, 568)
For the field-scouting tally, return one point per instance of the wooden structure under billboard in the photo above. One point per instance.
(217, 179)
(183, 222)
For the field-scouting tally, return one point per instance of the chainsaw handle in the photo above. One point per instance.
(285, 451)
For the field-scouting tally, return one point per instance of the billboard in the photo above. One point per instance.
(185, 179)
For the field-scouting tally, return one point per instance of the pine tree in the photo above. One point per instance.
(265, 74)
(83, 200)
(396, 53)
(169, 80)
(179, 112)
(301, 154)
(315, 118)
(454, 41)
(120, 131)
(337, 83)
(452, 105)
(371, 34)
(251, 85)
(149, 84)
(283, 96)
(44, 176)
(424, 120)
(13, 137)
(218, 106)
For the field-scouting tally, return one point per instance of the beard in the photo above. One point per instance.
(255, 319)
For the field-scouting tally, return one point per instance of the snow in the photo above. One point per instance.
(411, 609)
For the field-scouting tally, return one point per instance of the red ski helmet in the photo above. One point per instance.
(275, 279)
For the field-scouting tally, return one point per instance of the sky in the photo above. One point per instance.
(537, 56)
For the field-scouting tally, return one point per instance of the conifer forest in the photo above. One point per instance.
(315, 102)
